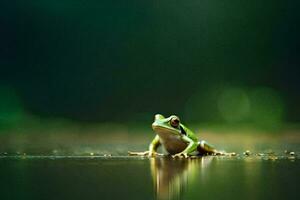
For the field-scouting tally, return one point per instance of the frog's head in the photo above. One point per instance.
(167, 126)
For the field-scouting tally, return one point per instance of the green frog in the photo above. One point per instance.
(176, 138)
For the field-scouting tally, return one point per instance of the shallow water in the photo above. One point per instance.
(122, 177)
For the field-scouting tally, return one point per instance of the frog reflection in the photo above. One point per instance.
(171, 177)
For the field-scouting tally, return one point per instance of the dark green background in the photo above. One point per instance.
(125, 60)
(213, 62)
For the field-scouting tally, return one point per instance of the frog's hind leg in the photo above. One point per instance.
(205, 149)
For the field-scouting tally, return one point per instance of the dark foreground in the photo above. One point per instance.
(96, 177)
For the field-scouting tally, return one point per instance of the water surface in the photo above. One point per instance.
(79, 177)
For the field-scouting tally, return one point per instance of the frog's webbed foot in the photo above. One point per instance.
(180, 155)
(154, 154)
(134, 153)
(144, 153)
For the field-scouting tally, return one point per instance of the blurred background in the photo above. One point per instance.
(81, 80)
(80, 66)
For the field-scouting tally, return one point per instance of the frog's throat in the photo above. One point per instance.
(164, 130)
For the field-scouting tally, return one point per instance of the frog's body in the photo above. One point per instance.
(172, 143)
(176, 138)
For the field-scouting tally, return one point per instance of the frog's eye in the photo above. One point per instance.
(175, 122)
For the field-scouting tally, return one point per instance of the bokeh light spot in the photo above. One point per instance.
(234, 104)
(267, 107)
(11, 109)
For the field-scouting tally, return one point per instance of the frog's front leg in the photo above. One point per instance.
(134, 153)
(154, 146)
(192, 146)
(152, 149)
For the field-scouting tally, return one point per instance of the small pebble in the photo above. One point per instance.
(107, 155)
(247, 153)
(286, 151)
(91, 153)
(273, 158)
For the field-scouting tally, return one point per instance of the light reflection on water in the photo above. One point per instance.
(224, 178)
(123, 177)
(171, 176)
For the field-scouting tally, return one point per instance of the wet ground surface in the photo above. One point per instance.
(93, 167)
(78, 177)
